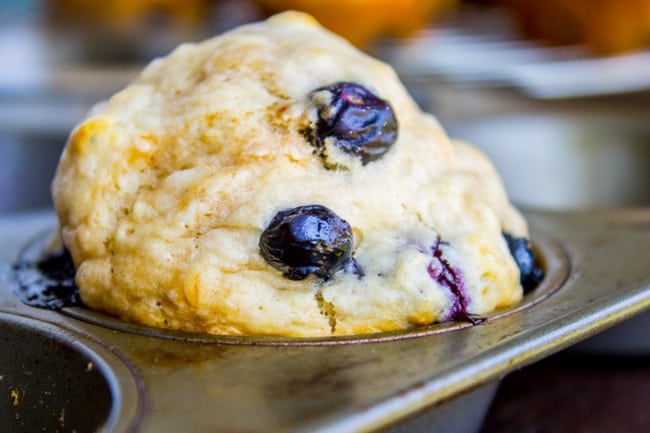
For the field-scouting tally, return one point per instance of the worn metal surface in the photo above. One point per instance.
(199, 384)
(55, 380)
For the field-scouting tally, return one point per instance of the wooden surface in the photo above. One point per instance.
(571, 393)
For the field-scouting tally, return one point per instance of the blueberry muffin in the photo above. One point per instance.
(275, 180)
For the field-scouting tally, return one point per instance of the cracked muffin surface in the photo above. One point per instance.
(177, 196)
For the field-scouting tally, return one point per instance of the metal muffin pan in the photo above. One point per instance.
(439, 378)
(598, 159)
(554, 261)
(55, 380)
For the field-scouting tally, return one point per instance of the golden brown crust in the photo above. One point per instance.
(164, 191)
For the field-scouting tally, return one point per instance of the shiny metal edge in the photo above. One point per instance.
(554, 260)
(198, 386)
(126, 390)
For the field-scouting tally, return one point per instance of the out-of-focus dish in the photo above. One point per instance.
(483, 48)
(595, 160)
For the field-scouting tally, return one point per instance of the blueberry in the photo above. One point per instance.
(47, 282)
(307, 240)
(531, 274)
(358, 121)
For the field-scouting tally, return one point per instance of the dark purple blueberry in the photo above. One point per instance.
(48, 282)
(531, 274)
(358, 121)
(307, 240)
(451, 278)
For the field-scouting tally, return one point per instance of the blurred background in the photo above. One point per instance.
(557, 93)
(558, 87)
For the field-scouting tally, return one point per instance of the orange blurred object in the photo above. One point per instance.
(361, 21)
(124, 11)
(119, 31)
(606, 26)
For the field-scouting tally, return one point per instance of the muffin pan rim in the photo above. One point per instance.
(119, 376)
(554, 257)
(388, 382)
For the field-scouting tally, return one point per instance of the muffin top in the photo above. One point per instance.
(275, 180)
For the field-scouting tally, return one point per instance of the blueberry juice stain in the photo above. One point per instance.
(47, 282)
(441, 271)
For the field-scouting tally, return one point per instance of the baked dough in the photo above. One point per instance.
(164, 191)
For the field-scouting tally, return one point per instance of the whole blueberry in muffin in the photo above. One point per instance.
(355, 120)
(531, 274)
(307, 240)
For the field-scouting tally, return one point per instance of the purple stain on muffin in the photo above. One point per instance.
(450, 278)
(355, 119)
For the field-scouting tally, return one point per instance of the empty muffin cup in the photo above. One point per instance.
(53, 380)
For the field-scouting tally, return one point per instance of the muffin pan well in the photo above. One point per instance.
(31, 258)
(53, 380)
(425, 378)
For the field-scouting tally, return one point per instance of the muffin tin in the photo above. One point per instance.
(598, 159)
(438, 378)
(57, 380)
